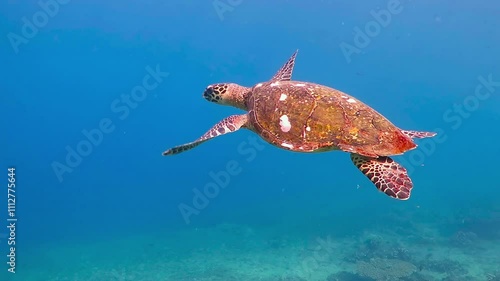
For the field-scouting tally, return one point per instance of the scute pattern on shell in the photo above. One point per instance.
(322, 119)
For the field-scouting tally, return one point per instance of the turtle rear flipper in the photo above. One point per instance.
(387, 175)
(227, 125)
(418, 135)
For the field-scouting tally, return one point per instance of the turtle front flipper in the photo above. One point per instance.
(285, 73)
(227, 125)
(387, 175)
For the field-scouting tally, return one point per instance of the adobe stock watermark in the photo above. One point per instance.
(223, 6)
(321, 254)
(221, 179)
(121, 108)
(31, 26)
(455, 116)
(363, 37)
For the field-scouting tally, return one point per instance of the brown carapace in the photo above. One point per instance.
(308, 117)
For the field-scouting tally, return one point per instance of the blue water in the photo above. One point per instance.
(96, 200)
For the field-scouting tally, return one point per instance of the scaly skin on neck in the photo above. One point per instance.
(236, 96)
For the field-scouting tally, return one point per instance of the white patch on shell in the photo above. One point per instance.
(300, 85)
(287, 145)
(308, 128)
(285, 124)
(275, 83)
(283, 97)
(258, 85)
(351, 101)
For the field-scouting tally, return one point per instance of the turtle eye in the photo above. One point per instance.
(219, 89)
(210, 95)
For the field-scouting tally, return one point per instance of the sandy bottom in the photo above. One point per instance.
(291, 253)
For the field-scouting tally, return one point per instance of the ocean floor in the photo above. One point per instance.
(408, 250)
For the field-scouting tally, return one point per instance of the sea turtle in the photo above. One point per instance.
(308, 117)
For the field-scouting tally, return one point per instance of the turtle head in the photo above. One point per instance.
(227, 94)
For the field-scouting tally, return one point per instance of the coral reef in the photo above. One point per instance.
(376, 247)
(464, 239)
(385, 269)
(418, 276)
(444, 266)
(457, 278)
(347, 276)
(495, 276)
(291, 279)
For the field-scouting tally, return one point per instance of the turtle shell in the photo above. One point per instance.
(308, 117)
